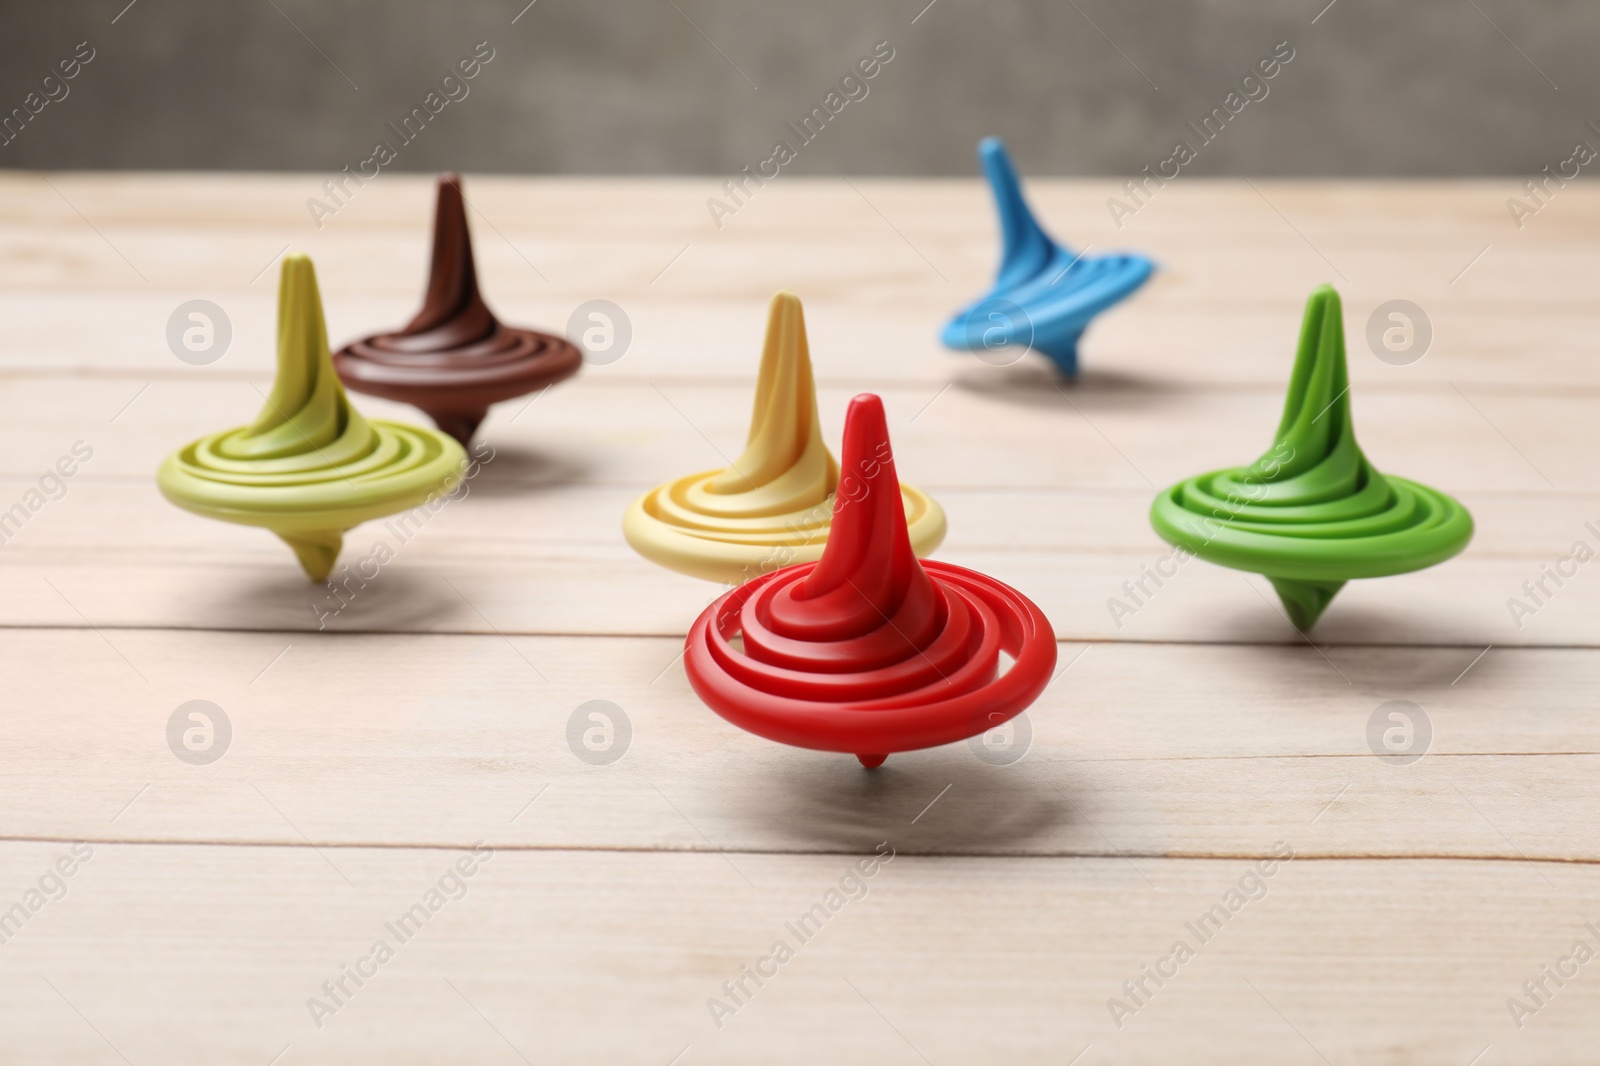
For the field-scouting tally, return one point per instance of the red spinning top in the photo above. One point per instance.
(868, 650)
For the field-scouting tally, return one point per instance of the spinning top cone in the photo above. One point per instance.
(455, 358)
(869, 650)
(1313, 512)
(1045, 295)
(310, 466)
(773, 506)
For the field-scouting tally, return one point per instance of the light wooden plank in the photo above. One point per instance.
(598, 957)
(552, 560)
(1378, 211)
(607, 590)
(634, 433)
(1224, 309)
(1178, 745)
(1418, 237)
(591, 223)
(1158, 750)
(524, 511)
(529, 562)
(1144, 352)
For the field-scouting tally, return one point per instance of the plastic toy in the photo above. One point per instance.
(772, 507)
(455, 358)
(309, 467)
(1044, 296)
(869, 650)
(1313, 513)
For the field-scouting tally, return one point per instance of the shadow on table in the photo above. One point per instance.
(1032, 382)
(515, 470)
(832, 802)
(399, 598)
(1402, 626)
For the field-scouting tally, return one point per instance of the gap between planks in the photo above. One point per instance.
(823, 381)
(906, 852)
(508, 632)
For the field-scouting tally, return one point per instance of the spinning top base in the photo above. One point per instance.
(872, 762)
(1062, 351)
(316, 552)
(1305, 600)
(459, 424)
(976, 334)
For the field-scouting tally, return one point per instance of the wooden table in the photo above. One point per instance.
(1174, 753)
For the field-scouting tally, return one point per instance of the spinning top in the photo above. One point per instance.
(771, 508)
(1313, 513)
(1044, 296)
(309, 467)
(455, 358)
(869, 650)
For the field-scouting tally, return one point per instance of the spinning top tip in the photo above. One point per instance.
(317, 552)
(1305, 600)
(872, 762)
(459, 425)
(993, 149)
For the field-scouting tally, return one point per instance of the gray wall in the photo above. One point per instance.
(1427, 87)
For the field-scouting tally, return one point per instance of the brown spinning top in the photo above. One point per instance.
(455, 358)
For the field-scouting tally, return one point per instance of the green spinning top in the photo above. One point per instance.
(310, 466)
(1313, 513)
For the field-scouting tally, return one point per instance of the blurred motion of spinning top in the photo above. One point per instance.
(1044, 296)
(309, 467)
(869, 650)
(455, 358)
(1313, 513)
(772, 507)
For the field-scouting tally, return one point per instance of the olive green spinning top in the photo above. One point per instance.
(1313, 513)
(309, 467)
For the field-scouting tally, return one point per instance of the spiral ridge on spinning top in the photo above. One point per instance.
(310, 466)
(455, 358)
(1313, 512)
(870, 650)
(773, 506)
(1044, 296)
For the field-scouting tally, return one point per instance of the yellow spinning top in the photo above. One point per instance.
(309, 467)
(773, 506)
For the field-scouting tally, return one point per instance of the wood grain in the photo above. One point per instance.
(431, 712)
(606, 957)
(1161, 750)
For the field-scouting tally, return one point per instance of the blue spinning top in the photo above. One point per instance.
(1044, 296)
